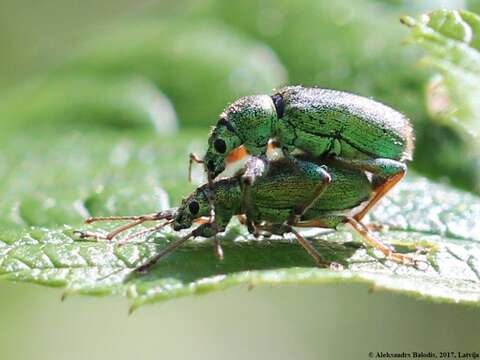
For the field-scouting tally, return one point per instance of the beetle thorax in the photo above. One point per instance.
(253, 118)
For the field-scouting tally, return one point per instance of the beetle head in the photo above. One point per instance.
(223, 139)
(249, 121)
(193, 207)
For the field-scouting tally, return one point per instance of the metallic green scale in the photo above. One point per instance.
(273, 197)
(284, 187)
(318, 121)
(279, 189)
(351, 126)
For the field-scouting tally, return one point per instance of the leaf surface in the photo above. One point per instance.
(91, 174)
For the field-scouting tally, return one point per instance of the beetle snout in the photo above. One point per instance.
(214, 169)
(182, 222)
(211, 166)
(214, 164)
(177, 227)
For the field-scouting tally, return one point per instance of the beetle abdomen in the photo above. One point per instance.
(348, 189)
(322, 121)
(284, 187)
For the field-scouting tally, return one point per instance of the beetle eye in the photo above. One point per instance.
(194, 208)
(220, 146)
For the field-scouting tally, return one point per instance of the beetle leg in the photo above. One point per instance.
(121, 229)
(280, 229)
(303, 208)
(380, 192)
(372, 240)
(235, 155)
(319, 260)
(137, 220)
(211, 205)
(167, 215)
(165, 251)
(242, 219)
(204, 230)
(255, 168)
(251, 226)
(149, 230)
(389, 172)
(317, 173)
(193, 158)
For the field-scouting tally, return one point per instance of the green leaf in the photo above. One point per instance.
(452, 40)
(49, 179)
(86, 174)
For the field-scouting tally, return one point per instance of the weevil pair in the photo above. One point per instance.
(354, 151)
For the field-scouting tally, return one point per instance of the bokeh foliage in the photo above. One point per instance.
(202, 55)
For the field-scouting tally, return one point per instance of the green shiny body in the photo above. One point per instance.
(322, 121)
(272, 197)
(283, 187)
(318, 121)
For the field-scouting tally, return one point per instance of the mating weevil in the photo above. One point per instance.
(281, 187)
(358, 132)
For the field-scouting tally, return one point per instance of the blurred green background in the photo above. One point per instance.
(92, 77)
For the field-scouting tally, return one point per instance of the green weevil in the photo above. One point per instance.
(268, 203)
(360, 133)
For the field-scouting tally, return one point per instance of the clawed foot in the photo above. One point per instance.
(332, 265)
(407, 260)
(293, 219)
(377, 227)
(89, 235)
(336, 266)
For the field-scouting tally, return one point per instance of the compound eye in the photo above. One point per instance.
(194, 208)
(220, 146)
